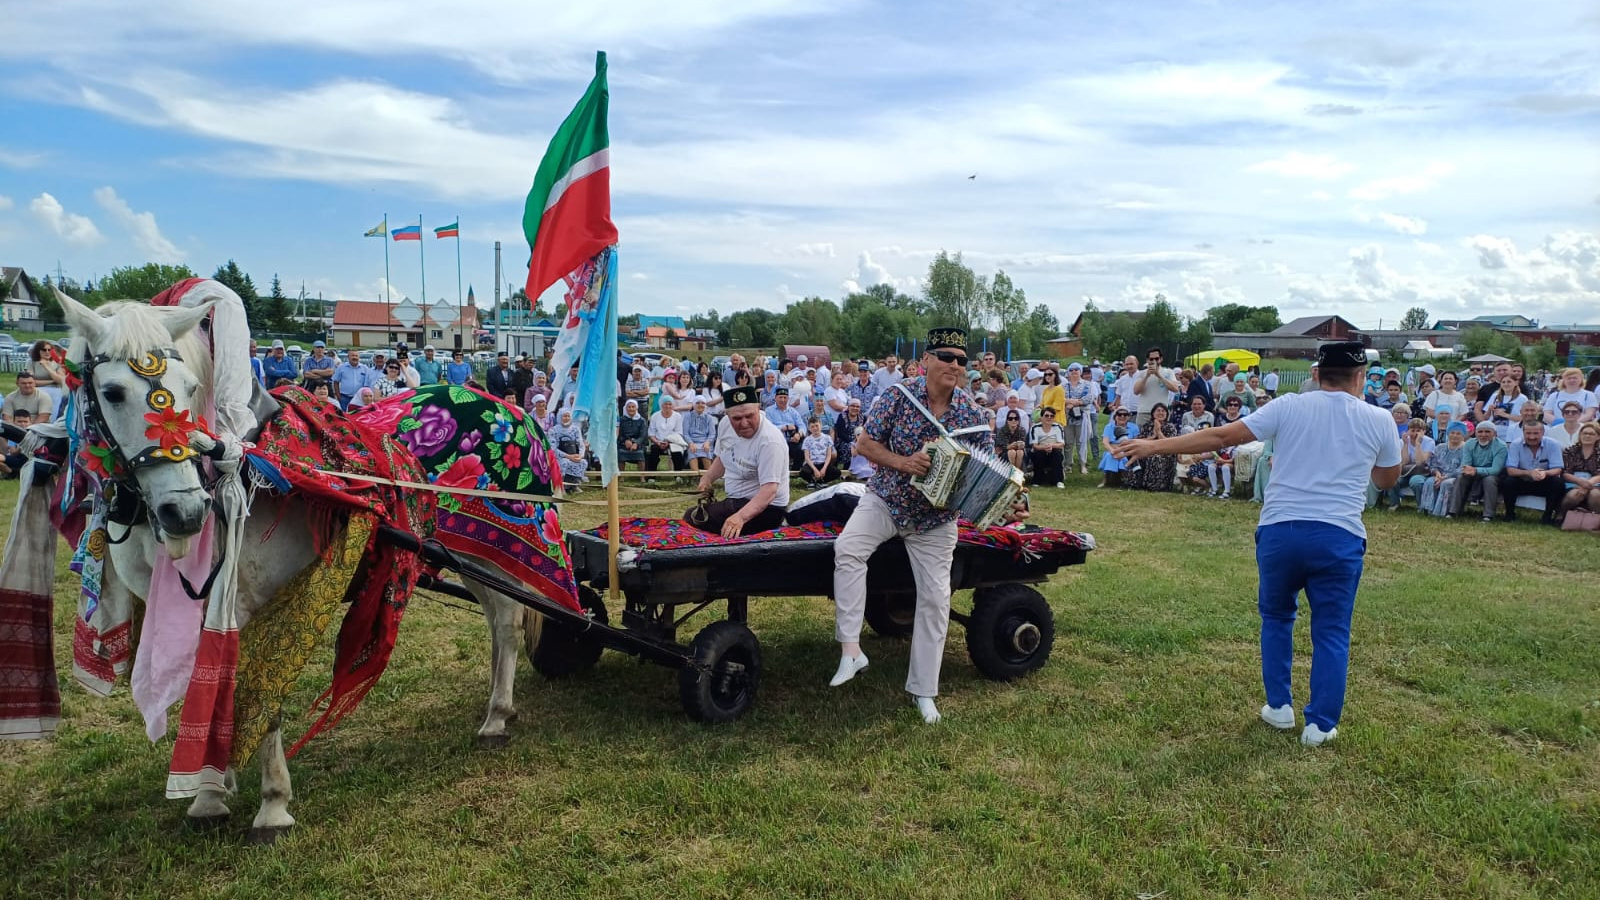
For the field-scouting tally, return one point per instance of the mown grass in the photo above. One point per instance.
(1466, 766)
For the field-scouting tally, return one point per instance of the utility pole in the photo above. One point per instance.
(494, 323)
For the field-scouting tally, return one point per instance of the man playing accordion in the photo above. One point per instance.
(892, 437)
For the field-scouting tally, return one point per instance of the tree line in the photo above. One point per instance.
(272, 312)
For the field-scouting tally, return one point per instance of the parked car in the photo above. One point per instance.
(7, 342)
(719, 363)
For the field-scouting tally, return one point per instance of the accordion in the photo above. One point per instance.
(978, 485)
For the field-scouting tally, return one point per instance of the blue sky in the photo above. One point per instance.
(1356, 158)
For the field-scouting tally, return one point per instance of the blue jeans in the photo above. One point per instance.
(1325, 561)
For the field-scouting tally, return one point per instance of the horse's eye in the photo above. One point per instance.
(114, 394)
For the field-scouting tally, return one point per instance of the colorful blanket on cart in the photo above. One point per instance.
(676, 534)
(469, 440)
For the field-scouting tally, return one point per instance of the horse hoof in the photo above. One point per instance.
(493, 741)
(204, 824)
(265, 836)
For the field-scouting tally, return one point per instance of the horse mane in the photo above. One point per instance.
(135, 329)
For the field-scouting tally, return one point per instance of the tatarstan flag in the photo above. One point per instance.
(568, 215)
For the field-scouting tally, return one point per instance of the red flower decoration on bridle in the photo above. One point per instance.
(171, 428)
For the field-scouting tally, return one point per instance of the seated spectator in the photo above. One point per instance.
(1116, 431)
(819, 465)
(541, 413)
(665, 438)
(1047, 441)
(1392, 396)
(789, 421)
(1482, 462)
(1402, 418)
(1580, 470)
(632, 435)
(1533, 466)
(28, 397)
(1194, 469)
(571, 452)
(1447, 396)
(1565, 432)
(1504, 406)
(1239, 389)
(845, 429)
(1470, 395)
(13, 461)
(1416, 456)
(1220, 468)
(321, 390)
(1231, 410)
(1257, 390)
(1435, 491)
(1570, 389)
(364, 397)
(1197, 417)
(700, 435)
(540, 388)
(997, 389)
(1011, 439)
(1443, 418)
(393, 382)
(1155, 473)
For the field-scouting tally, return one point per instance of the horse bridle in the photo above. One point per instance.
(151, 368)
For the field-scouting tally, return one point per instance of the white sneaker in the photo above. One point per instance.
(929, 711)
(1281, 718)
(848, 667)
(1060, 484)
(1313, 736)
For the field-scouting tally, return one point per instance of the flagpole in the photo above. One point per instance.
(460, 301)
(388, 307)
(613, 540)
(422, 263)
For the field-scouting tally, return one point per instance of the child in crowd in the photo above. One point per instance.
(14, 460)
(818, 467)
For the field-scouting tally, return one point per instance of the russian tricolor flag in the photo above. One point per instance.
(408, 233)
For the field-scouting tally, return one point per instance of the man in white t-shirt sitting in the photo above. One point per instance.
(753, 463)
(1327, 446)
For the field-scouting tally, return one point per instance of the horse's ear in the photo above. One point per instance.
(82, 319)
(180, 320)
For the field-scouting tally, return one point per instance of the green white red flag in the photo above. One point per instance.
(567, 218)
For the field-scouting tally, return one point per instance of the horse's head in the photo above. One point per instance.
(144, 377)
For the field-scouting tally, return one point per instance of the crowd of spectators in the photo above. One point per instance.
(1487, 435)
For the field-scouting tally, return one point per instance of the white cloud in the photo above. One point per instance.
(141, 225)
(70, 227)
(1322, 167)
(1383, 188)
(1493, 252)
(869, 272)
(1404, 224)
(16, 159)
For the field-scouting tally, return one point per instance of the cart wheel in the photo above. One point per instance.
(557, 649)
(728, 690)
(1010, 632)
(891, 615)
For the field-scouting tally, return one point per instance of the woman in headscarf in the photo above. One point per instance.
(1435, 490)
(1078, 420)
(1116, 431)
(1156, 473)
(570, 449)
(700, 432)
(845, 429)
(631, 430)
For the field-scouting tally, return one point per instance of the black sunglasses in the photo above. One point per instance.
(945, 356)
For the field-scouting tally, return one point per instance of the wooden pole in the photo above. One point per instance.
(614, 539)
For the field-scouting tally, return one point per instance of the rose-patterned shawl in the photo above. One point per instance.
(467, 439)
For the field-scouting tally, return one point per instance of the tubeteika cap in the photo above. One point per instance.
(947, 339)
(1342, 355)
(740, 395)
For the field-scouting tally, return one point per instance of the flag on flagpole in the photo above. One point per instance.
(408, 233)
(567, 218)
(379, 229)
(589, 338)
(451, 230)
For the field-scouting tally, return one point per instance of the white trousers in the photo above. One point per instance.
(931, 553)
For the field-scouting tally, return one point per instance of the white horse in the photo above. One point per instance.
(123, 337)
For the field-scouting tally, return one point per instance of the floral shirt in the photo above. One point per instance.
(901, 427)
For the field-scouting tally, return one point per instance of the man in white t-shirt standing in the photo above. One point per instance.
(888, 375)
(1154, 384)
(1327, 445)
(1124, 385)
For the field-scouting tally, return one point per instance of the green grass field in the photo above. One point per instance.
(1467, 764)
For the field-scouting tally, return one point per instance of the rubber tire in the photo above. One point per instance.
(710, 697)
(1003, 617)
(891, 615)
(560, 649)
